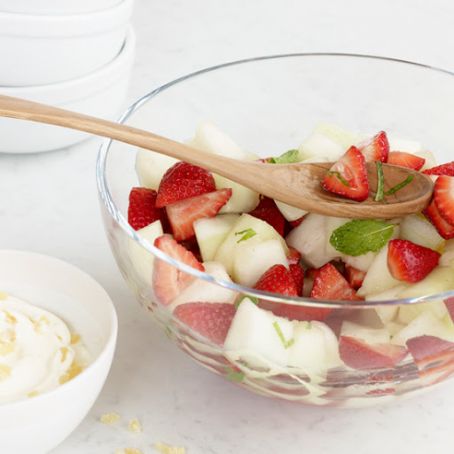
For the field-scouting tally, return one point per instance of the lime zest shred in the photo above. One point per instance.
(400, 185)
(380, 195)
(246, 234)
(285, 343)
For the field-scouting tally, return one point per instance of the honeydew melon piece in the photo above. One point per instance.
(290, 213)
(251, 260)
(368, 335)
(315, 348)
(263, 231)
(409, 312)
(394, 327)
(151, 166)
(309, 238)
(447, 257)
(253, 337)
(439, 280)
(378, 278)
(399, 144)
(243, 199)
(387, 313)
(206, 292)
(419, 230)
(337, 134)
(360, 262)
(141, 259)
(211, 232)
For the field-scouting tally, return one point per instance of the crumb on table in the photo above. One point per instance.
(135, 426)
(168, 449)
(109, 418)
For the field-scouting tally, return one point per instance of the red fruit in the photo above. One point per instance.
(329, 284)
(403, 159)
(142, 209)
(293, 256)
(449, 302)
(444, 169)
(297, 273)
(267, 211)
(211, 320)
(376, 149)
(354, 276)
(277, 279)
(183, 181)
(169, 281)
(183, 214)
(296, 222)
(430, 351)
(410, 262)
(445, 229)
(348, 176)
(444, 197)
(360, 355)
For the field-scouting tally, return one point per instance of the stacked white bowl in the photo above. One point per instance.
(74, 55)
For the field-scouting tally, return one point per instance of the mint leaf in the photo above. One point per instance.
(234, 375)
(360, 236)
(246, 234)
(285, 343)
(380, 195)
(289, 157)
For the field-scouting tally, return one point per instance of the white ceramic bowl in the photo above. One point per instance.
(55, 6)
(44, 49)
(100, 94)
(38, 424)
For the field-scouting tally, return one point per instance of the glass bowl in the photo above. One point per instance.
(270, 104)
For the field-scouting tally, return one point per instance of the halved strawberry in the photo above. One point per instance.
(293, 256)
(376, 149)
(277, 279)
(348, 176)
(297, 273)
(211, 320)
(354, 276)
(183, 214)
(267, 211)
(444, 197)
(169, 281)
(430, 351)
(444, 228)
(142, 209)
(410, 262)
(403, 159)
(444, 169)
(183, 181)
(358, 354)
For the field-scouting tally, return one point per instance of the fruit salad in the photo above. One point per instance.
(336, 349)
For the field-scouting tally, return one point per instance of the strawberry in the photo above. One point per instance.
(169, 281)
(376, 149)
(358, 354)
(183, 214)
(277, 279)
(211, 320)
(430, 351)
(443, 227)
(297, 273)
(354, 276)
(403, 159)
(329, 284)
(182, 181)
(348, 176)
(296, 222)
(410, 262)
(142, 209)
(293, 256)
(444, 169)
(449, 302)
(267, 211)
(444, 197)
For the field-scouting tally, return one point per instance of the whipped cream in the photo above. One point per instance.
(36, 350)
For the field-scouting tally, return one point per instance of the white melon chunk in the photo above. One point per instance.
(251, 260)
(337, 134)
(151, 167)
(290, 213)
(394, 327)
(360, 262)
(243, 199)
(207, 292)
(254, 337)
(211, 232)
(439, 280)
(399, 144)
(386, 313)
(409, 312)
(447, 258)
(417, 229)
(315, 348)
(141, 259)
(368, 335)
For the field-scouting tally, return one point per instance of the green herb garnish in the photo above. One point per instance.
(285, 343)
(289, 157)
(380, 195)
(234, 375)
(339, 177)
(242, 298)
(400, 185)
(246, 234)
(360, 236)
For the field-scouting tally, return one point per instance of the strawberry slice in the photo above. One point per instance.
(293, 256)
(449, 303)
(329, 284)
(376, 149)
(267, 211)
(277, 279)
(169, 281)
(183, 181)
(348, 176)
(358, 354)
(410, 262)
(443, 227)
(444, 169)
(444, 197)
(430, 351)
(297, 273)
(142, 209)
(183, 214)
(211, 320)
(354, 276)
(403, 159)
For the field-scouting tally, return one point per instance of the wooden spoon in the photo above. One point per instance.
(295, 184)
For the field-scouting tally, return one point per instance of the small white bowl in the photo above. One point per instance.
(100, 94)
(38, 424)
(44, 49)
(55, 6)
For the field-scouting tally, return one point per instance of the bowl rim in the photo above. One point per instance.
(116, 215)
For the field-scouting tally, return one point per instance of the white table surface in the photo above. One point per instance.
(49, 205)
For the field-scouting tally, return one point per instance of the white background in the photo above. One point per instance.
(48, 204)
